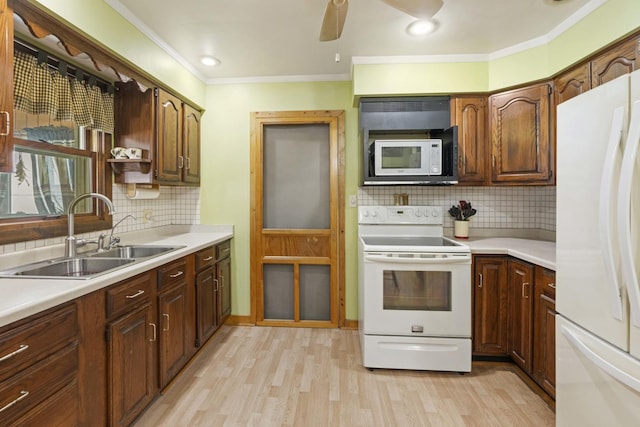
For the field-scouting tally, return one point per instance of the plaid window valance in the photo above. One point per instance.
(37, 89)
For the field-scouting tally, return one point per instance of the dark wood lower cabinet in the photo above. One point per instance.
(207, 305)
(131, 364)
(520, 283)
(174, 348)
(490, 305)
(223, 270)
(544, 338)
(514, 315)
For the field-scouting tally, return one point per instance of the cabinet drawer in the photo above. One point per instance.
(546, 282)
(27, 344)
(61, 409)
(24, 391)
(205, 258)
(129, 294)
(223, 249)
(172, 273)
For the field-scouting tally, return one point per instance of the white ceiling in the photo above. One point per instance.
(278, 39)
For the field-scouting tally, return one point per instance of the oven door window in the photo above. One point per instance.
(417, 290)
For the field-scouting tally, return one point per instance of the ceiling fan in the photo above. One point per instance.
(336, 13)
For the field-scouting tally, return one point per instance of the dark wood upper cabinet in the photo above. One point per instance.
(170, 160)
(191, 145)
(615, 62)
(521, 136)
(6, 88)
(572, 83)
(470, 115)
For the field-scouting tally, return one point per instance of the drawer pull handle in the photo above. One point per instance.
(155, 332)
(209, 258)
(524, 294)
(481, 280)
(215, 281)
(166, 316)
(23, 394)
(20, 349)
(136, 295)
(552, 285)
(178, 274)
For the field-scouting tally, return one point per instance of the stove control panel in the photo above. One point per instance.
(400, 215)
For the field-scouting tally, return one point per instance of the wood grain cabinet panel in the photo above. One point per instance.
(615, 62)
(520, 301)
(174, 346)
(490, 306)
(131, 367)
(544, 338)
(470, 115)
(572, 83)
(6, 88)
(521, 137)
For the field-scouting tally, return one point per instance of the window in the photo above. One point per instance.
(62, 132)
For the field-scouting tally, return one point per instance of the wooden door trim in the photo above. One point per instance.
(335, 120)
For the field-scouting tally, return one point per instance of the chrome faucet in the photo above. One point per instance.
(71, 243)
(115, 240)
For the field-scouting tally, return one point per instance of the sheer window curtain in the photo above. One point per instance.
(42, 90)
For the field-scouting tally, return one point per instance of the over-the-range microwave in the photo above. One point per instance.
(413, 161)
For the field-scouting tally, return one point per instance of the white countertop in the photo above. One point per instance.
(539, 252)
(22, 297)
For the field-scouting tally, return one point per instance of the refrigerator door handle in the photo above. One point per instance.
(604, 365)
(629, 273)
(606, 204)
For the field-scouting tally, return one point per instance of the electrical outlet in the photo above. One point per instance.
(353, 201)
(147, 216)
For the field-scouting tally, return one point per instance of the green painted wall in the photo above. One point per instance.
(225, 198)
(225, 134)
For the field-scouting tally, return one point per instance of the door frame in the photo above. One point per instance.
(336, 122)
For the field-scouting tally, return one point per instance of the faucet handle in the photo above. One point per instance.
(113, 241)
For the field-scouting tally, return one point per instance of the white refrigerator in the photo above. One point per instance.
(597, 257)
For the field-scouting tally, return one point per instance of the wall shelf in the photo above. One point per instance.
(130, 165)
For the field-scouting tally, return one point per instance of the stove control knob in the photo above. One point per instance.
(418, 214)
(374, 214)
(365, 213)
(434, 213)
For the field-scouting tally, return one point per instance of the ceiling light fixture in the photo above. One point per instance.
(422, 27)
(209, 61)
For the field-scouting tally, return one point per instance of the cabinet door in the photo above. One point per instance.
(490, 306)
(6, 88)
(173, 345)
(470, 115)
(191, 144)
(520, 123)
(520, 301)
(544, 338)
(224, 287)
(206, 312)
(131, 364)
(615, 62)
(572, 83)
(169, 151)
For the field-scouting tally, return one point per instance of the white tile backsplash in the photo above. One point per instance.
(498, 207)
(174, 205)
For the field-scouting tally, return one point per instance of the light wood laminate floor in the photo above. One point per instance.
(263, 376)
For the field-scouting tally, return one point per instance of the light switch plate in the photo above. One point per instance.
(353, 201)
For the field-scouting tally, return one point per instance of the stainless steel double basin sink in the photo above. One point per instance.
(88, 265)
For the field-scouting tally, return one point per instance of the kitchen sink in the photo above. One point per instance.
(68, 268)
(134, 251)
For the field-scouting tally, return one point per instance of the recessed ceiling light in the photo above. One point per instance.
(209, 61)
(422, 27)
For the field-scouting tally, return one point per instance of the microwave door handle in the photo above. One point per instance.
(629, 273)
(398, 260)
(605, 223)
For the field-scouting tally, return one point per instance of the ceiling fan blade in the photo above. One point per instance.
(333, 22)
(421, 9)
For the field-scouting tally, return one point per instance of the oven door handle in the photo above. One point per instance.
(462, 259)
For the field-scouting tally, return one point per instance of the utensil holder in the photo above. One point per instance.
(461, 229)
